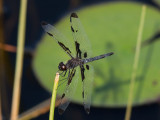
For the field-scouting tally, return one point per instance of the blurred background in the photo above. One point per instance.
(32, 93)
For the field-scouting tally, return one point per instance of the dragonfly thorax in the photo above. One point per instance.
(74, 62)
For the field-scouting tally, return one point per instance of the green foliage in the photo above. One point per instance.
(110, 27)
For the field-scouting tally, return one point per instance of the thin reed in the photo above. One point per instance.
(135, 64)
(53, 99)
(19, 60)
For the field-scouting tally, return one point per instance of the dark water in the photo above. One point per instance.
(32, 93)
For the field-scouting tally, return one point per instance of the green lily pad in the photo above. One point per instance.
(110, 27)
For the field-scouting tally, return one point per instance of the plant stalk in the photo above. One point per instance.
(135, 65)
(19, 60)
(53, 99)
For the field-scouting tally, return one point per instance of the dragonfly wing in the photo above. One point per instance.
(80, 37)
(87, 80)
(63, 42)
(69, 90)
(83, 49)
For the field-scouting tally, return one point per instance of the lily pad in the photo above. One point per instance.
(111, 27)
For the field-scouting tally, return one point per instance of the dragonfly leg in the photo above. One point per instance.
(64, 73)
(64, 80)
(61, 73)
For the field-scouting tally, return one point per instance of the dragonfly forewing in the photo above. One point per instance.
(80, 36)
(63, 42)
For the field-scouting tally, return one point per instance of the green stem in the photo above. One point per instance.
(54, 92)
(19, 60)
(135, 65)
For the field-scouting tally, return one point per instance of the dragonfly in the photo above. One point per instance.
(78, 64)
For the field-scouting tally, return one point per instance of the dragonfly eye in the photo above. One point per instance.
(62, 66)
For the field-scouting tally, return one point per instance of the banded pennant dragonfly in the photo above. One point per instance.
(80, 57)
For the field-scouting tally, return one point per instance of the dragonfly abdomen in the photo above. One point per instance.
(97, 57)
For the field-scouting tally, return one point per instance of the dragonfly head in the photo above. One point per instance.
(62, 66)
